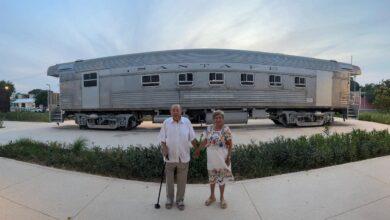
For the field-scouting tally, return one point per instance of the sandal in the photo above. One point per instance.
(209, 201)
(180, 205)
(223, 204)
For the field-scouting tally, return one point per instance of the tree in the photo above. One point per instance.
(369, 91)
(40, 96)
(6, 90)
(382, 95)
(8, 87)
(354, 86)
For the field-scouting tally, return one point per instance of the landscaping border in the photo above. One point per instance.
(254, 160)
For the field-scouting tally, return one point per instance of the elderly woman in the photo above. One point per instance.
(218, 140)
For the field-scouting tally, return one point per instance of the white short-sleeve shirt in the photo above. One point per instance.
(178, 137)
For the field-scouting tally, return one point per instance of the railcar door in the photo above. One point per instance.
(90, 90)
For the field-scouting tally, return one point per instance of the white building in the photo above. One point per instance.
(23, 104)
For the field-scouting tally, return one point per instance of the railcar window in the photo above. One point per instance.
(90, 83)
(275, 80)
(186, 78)
(151, 80)
(190, 77)
(182, 77)
(216, 78)
(90, 79)
(300, 82)
(247, 79)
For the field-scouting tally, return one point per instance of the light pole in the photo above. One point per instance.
(8, 101)
(48, 97)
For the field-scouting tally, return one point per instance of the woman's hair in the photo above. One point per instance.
(218, 112)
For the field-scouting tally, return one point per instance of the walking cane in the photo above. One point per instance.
(157, 205)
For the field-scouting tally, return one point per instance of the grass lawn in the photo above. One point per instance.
(380, 117)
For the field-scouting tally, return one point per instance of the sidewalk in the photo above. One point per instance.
(359, 190)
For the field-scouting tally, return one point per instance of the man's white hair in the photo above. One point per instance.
(176, 106)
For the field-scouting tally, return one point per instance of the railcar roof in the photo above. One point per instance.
(201, 56)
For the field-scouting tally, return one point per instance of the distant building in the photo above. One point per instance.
(26, 102)
(22, 102)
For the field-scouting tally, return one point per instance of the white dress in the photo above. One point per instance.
(217, 152)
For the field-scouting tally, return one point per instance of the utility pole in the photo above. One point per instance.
(48, 100)
(351, 59)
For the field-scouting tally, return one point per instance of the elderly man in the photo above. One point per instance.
(176, 136)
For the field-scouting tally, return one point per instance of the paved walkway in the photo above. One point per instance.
(359, 190)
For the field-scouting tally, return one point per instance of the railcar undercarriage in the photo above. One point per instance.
(130, 120)
(289, 118)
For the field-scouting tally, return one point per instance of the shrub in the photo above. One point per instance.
(380, 117)
(382, 95)
(256, 159)
(25, 116)
(1, 122)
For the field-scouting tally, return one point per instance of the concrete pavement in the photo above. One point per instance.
(359, 190)
(146, 133)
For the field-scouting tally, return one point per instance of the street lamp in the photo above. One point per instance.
(48, 97)
(7, 102)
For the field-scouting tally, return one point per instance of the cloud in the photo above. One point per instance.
(35, 35)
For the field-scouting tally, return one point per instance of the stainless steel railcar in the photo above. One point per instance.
(116, 92)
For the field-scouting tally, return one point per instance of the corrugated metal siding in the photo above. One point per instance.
(201, 56)
(66, 101)
(207, 56)
(70, 94)
(340, 90)
(344, 96)
(205, 98)
(151, 99)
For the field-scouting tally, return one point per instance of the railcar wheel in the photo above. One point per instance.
(276, 121)
(283, 121)
(82, 127)
(132, 123)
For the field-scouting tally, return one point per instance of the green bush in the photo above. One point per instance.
(1, 122)
(380, 117)
(25, 116)
(253, 160)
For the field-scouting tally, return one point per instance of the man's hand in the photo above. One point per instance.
(165, 150)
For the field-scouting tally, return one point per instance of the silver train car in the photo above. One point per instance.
(118, 91)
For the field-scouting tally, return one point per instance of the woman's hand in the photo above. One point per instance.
(196, 153)
(229, 145)
(228, 161)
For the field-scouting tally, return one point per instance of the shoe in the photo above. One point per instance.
(209, 201)
(180, 205)
(223, 204)
(168, 204)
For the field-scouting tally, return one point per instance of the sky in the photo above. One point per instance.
(37, 34)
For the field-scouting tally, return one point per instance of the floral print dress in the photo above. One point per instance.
(217, 152)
